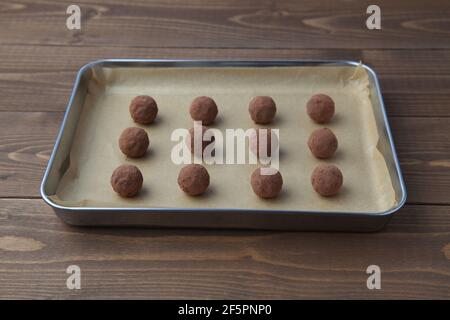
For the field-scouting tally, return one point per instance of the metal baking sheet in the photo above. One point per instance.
(116, 73)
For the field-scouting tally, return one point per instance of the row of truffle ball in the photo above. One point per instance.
(326, 179)
(194, 180)
(127, 180)
(262, 109)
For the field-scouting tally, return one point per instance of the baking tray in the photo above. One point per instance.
(209, 217)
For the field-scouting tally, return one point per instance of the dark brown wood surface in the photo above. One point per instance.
(39, 59)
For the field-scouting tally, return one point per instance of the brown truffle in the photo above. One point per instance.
(327, 180)
(134, 142)
(127, 180)
(322, 143)
(193, 179)
(143, 109)
(266, 185)
(190, 140)
(203, 109)
(320, 108)
(262, 148)
(262, 109)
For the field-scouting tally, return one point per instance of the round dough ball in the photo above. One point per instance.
(258, 146)
(327, 180)
(127, 180)
(323, 143)
(190, 140)
(262, 109)
(320, 108)
(193, 179)
(133, 142)
(266, 186)
(143, 109)
(203, 109)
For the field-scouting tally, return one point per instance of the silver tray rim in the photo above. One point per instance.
(222, 63)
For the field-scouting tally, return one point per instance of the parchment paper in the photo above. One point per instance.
(95, 152)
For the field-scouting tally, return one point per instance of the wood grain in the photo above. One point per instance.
(144, 263)
(422, 145)
(27, 140)
(423, 149)
(228, 24)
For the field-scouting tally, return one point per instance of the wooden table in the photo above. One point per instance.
(39, 58)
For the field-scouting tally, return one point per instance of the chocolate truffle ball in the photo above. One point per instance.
(320, 108)
(262, 109)
(134, 142)
(266, 186)
(258, 145)
(202, 139)
(143, 109)
(322, 143)
(193, 179)
(127, 180)
(203, 109)
(326, 180)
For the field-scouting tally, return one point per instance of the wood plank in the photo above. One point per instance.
(26, 143)
(414, 82)
(228, 24)
(422, 144)
(36, 248)
(423, 148)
